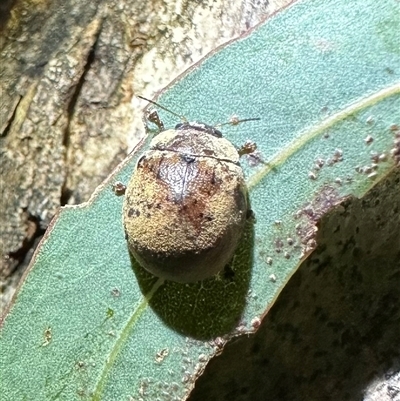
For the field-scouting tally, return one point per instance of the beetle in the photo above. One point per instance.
(186, 203)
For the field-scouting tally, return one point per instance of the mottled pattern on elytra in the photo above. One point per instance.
(184, 214)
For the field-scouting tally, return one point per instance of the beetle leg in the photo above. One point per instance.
(254, 158)
(119, 188)
(153, 117)
(247, 148)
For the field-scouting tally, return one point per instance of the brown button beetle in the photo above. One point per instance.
(186, 203)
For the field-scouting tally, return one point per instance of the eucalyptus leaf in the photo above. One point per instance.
(89, 323)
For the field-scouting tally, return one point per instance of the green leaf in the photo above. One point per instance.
(88, 323)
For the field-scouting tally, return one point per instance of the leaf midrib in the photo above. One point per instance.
(308, 135)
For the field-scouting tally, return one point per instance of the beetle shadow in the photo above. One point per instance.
(208, 308)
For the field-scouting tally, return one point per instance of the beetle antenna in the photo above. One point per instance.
(236, 121)
(183, 118)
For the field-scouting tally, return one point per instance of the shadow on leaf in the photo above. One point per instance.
(208, 308)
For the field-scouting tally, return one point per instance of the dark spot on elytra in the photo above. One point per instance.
(148, 215)
(190, 182)
(213, 179)
(132, 212)
(194, 205)
(149, 166)
(188, 158)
